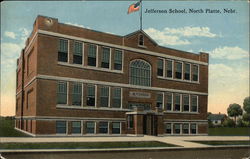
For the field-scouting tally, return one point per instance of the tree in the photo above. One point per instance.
(246, 104)
(246, 117)
(234, 110)
(228, 123)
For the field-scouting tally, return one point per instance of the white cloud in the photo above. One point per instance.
(24, 34)
(163, 39)
(9, 34)
(75, 24)
(230, 53)
(190, 31)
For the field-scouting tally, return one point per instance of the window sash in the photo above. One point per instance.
(92, 51)
(91, 91)
(169, 68)
(77, 48)
(118, 57)
(62, 93)
(140, 73)
(90, 127)
(103, 127)
(61, 127)
(105, 55)
(63, 45)
(178, 67)
(194, 103)
(159, 100)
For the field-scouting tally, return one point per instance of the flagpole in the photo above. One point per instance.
(141, 16)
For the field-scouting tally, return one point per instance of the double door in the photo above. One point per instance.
(150, 124)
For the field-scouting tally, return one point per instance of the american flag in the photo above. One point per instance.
(134, 7)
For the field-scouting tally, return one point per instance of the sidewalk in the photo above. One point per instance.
(183, 141)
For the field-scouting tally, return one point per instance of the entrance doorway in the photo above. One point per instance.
(150, 125)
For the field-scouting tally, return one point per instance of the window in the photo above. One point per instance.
(185, 128)
(186, 102)
(141, 40)
(168, 129)
(177, 128)
(76, 127)
(116, 128)
(169, 101)
(178, 70)
(77, 55)
(105, 57)
(92, 55)
(130, 121)
(177, 102)
(194, 103)
(62, 93)
(193, 129)
(90, 127)
(77, 94)
(117, 98)
(103, 127)
(118, 60)
(195, 72)
(159, 100)
(104, 102)
(160, 67)
(169, 69)
(61, 127)
(187, 71)
(63, 50)
(90, 95)
(140, 73)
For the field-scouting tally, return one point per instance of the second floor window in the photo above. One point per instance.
(90, 95)
(185, 102)
(194, 103)
(77, 55)
(169, 101)
(104, 96)
(63, 50)
(117, 98)
(77, 94)
(105, 57)
(62, 93)
(92, 55)
(195, 73)
(177, 102)
(169, 68)
(178, 70)
(187, 72)
(140, 73)
(118, 60)
(160, 67)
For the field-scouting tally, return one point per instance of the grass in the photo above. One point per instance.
(7, 128)
(217, 143)
(224, 131)
(84, 145)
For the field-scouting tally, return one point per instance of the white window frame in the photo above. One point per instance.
(122, 51)
(163, 67)
(110, 57)
(197, 104)
(188, 102)
(172, 69)
(198, 75)
(108, 126)
(109, 89)
(190, 72)
(175, 69)
(96, 55)
(72, 127)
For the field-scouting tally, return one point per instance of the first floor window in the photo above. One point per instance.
(159, 100)
(90, 95)
(77, 94)
(103, 127)
(77, 54)
(118, 60)
(177, 128)
(160, 67)
(117, 98)
(193, 128)
(185, 128)
(178, 70)
(116, 127)
(61, 127)
(63, 50)
(169, 101)
(169, 68)
(76, 127)
(185, 102)
(177, 102)
(62, 93)
(90, 127)
(130, 121)
(104, 96)
(92, 55)
(194, 103)
(168, 129)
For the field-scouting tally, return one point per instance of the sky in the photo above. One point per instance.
(225, 36)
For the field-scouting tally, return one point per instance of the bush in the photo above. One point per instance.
(228, 123)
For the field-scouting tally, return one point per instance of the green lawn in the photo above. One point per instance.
(216, 143)
(224, 131)
(7, 128)
(84, 145)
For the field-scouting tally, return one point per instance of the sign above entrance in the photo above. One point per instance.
(140, 94)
